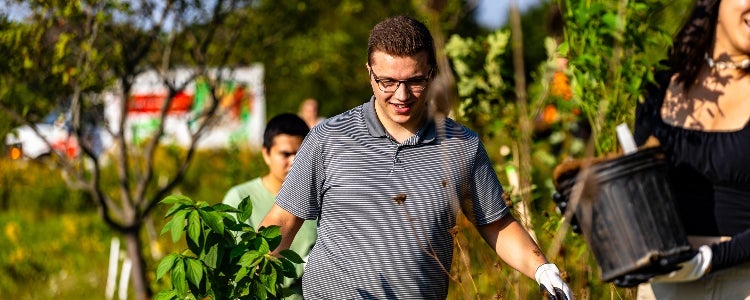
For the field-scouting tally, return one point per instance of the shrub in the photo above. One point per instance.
(226, 258)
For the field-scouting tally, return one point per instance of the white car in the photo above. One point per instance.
(23, 143)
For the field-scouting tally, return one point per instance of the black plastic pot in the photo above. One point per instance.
(627, 215)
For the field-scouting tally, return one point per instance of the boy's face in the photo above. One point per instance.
(279, 157)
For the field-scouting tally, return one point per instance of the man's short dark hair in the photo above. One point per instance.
(286, 123)
(401, 36)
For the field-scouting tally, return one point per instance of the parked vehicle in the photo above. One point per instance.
(55, 134)
(240, 123)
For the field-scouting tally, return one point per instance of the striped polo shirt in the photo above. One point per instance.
(386, 209)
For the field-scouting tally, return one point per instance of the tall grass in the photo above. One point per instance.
(53, 245)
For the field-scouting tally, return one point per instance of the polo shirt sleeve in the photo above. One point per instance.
(487, 203)
(300, 193)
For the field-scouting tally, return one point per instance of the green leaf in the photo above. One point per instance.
(225, 208)
(175, 208)
(165, 265)
(212, 219)
(194, 226)
(181, 199)
(178, 277)
(238, 250)
(270, 231)
(272, 235)
(261, 245)
(178, 225)
(563, 49)
(288, 269)
(234, 226)
(292, 256)
(269, 281)
(167, 226)
(242, 273)
(194, 271)
(246, 209)
(261, 293)
(167, 295)
(251, 258)
(211, 293)
(249, 235)
(211, 258)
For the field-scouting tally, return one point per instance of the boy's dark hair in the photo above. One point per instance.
(401, 36)
(286, 123)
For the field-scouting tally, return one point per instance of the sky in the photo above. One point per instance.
(494, 13)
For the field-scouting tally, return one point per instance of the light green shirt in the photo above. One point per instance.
(263, 200)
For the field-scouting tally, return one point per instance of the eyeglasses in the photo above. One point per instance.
(416, 85)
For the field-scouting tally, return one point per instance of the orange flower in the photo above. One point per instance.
(549, 114)
(560, 86)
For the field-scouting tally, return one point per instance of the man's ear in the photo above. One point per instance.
(266, 154)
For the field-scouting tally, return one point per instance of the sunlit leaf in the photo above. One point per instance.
(181, 199)
(213, 220)
(251, 258)
(175, 208)
(194, 271)
(269, 281)
(241, 274)
(167, 295)
(178, 225)
(178, 277)
(194, 226)
(165, 265)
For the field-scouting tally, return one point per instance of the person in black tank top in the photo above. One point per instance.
(698, 110)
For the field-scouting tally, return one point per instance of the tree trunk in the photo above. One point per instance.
(138, 272)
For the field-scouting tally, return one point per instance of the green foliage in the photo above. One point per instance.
(482, 88)
(318, 49)
(34, 186)
(52, 256)
(607, 44)
(485, 100)
(226, 257)
(52, 241)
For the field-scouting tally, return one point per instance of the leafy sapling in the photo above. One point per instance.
(225, 258)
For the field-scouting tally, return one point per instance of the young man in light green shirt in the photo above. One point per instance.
(281, 140)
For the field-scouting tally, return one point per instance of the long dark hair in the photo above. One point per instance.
(693, 42)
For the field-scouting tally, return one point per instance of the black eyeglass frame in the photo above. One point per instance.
(414, 82)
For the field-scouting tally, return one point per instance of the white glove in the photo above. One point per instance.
(690, 270)
(548, 276)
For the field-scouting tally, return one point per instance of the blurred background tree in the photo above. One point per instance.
(74, 51)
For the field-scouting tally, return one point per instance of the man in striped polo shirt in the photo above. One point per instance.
(385, 183)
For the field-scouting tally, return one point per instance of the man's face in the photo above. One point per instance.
(407, 106)
(281, 154)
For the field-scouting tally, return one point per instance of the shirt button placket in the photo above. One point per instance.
(396, 166)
